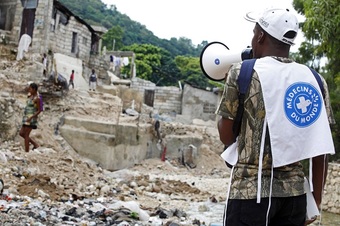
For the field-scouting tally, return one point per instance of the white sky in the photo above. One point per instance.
(210, 20)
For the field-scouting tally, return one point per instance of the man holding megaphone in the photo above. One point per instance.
(286, 119)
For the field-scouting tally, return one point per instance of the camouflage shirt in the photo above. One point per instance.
(287, 180)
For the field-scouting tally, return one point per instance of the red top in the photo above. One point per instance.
(72, 76)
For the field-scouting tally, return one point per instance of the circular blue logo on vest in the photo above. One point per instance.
(302, 104)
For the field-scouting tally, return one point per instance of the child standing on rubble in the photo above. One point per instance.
(29, 121)
(93, 80)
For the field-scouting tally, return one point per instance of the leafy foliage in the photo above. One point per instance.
(190, 69)
(146, 57)
(113, 38)
(321, 29)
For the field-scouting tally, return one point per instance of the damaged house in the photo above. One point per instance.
(51, 26)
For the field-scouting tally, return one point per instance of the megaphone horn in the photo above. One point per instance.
(216, 59)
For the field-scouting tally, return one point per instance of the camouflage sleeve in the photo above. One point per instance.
(229, 100)
(327, 102)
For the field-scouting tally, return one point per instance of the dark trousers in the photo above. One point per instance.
(289, 211)
(71, 84)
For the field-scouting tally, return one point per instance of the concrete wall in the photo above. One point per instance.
(198, 103)
(113, 146)
(15, 32)
(331, 197)
(168, 100)
(118, 146)
(61, 39)
(41, 32)
(141, 85)
(191, 102)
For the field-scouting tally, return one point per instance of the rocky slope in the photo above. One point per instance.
(53, 185)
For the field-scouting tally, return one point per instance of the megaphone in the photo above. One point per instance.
(216, 59)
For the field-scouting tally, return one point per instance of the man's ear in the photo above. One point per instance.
(261, 37)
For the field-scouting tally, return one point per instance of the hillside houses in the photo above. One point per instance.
(55, 30)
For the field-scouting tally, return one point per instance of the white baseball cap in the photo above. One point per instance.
(277, 23)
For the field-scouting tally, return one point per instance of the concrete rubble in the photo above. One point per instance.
(54, 185)
(44, 187)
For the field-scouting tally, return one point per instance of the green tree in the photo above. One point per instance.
(321, 29)
(308, 56)
(114, 36)
(167, 74)
(191, 71)
(147, 57)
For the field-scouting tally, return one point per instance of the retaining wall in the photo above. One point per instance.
(331, 197)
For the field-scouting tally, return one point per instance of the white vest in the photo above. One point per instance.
(295, 112)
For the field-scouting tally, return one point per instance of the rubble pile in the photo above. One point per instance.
(53, 185)
(56, 188)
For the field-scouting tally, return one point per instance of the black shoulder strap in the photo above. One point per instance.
(318, 79)
(243, 81)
